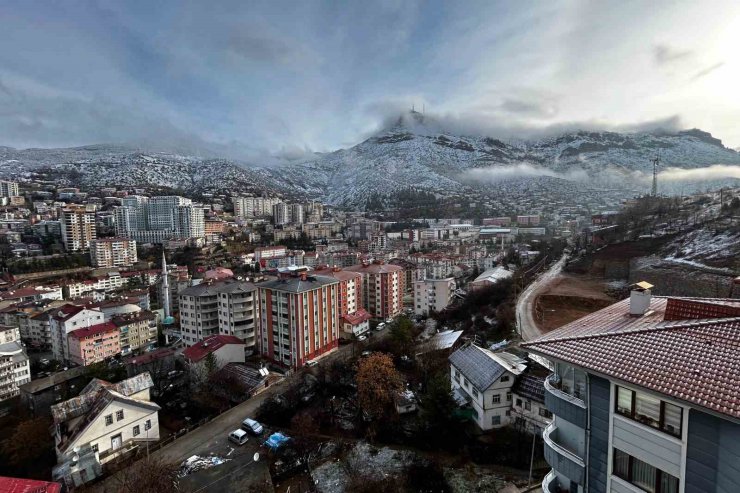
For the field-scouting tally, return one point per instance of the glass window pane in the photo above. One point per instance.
(621, 464)
(643, 475)
(672, 419)
(647, 410)
(668, 483)
(624, 401)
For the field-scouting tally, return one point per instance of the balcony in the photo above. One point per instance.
(563, 405)
(565, 461)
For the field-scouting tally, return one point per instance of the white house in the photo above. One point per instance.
(105, 419)
(14, 366)
(433, 295)
(66, 319)
(483, 380)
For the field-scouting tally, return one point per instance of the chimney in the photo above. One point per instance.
(303, 275)
(640, 297)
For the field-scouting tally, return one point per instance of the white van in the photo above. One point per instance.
(239, 437)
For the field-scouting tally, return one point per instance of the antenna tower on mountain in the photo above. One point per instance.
(656, 163)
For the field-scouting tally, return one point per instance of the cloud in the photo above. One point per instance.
(664, 54)
(529, 107)
(707, 71)
(714, 172)
(522, 170)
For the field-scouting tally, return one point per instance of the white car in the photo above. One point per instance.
(252, 426)
(389, 320)
(239, 437)
(380, 326)
(362, 338)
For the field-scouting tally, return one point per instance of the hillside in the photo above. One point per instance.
(415, 152)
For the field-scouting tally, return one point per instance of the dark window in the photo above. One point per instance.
(528, 406)
(505, 378)
(642, 474)
(119, 415)
(518, 403)
(137, 431)
(649, 411)
(109, 420)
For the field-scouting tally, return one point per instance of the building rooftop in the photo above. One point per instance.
(217, 287)
(357, 317)
(483, 367)
(336, 273)
(41, 384)
(94, 330)
(203, 348)
(299, 284)
(374, 268)
(18, 485)
(684, 348)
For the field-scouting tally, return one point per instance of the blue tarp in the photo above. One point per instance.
(276, 440)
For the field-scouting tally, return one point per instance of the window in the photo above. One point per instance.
(649, 411)
(119, 415)
(109, 420)
(505, 378)
(475, 393)
(496, 398)
(642, 474)
(148, 424)
(94, 447)
(527, 406)
(137, 431)
(518, 403)
(508, 397)
(495, 420)
(545, 413)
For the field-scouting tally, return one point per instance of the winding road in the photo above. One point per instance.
(526, 325)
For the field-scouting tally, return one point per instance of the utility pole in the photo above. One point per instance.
(656, 162)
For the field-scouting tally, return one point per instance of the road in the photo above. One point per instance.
(240, 472)
(525, 304)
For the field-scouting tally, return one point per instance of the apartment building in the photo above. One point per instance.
(254, 207)
(433, 295)
(382, 288)
(113, 252)
(8, 188)
(299, 318)
(15, 369)
(136, 331)
(78, 228)
(482, 382)
(645, 397)
(226, 307)
(156, 219)
(350, 287)
(66, 319)
(93, 344)
(281, 213)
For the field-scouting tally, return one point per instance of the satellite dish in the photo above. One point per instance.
(256, 456)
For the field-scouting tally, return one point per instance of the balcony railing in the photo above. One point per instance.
(564, 405)
(561, 459)
(550, 483)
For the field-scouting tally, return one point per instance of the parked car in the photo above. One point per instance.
(310, 363)
(380, 326)
(239, 437)
(362, 338)
(252, 426)
(389, 320)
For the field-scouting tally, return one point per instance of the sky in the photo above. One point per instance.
(268, 80)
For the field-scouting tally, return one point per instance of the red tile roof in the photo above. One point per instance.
(694, 360)
(357, 317)
(18, 485)
(94, 330)
(200, 350)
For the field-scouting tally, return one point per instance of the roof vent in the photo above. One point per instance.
(640, 296)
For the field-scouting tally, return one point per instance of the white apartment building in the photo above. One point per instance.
(8, 188)
(297, 215)
(15, 369)
(155, 219)
(113, 252)
(281, 213)
(253, 207)
(78, 228)
(109, 282)
(433, 295)
(226, 307)
(483, 380)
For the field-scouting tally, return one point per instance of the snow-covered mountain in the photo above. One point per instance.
(415, 152)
